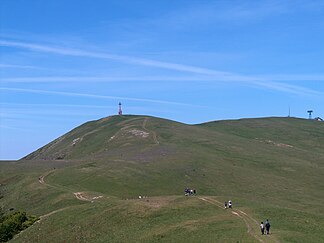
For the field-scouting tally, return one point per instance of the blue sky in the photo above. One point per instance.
(64, 63)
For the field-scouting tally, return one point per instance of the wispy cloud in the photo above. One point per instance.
(224, 14)
(55, 105)
(291, 77)
(17, 66)
(215, 14)
(102, 55)
(93, 96)
(288, 88)
(51, 79)
(27, 112)
(233, 77)
(202, 74)
(271, 82)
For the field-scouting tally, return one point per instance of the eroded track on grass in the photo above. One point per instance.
(156, 141)
(78, 195)
(42, 177)
(251, 223)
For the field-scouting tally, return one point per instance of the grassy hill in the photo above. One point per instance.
(269, 167)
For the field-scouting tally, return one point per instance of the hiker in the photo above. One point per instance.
(225, 205)
(194, 191)
(187, 191)
(262, 228)
(229, 204)
(267, 226)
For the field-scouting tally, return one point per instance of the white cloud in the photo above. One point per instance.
(17, 66)
(209, 75)
(102, 55)
(46, 79)
(288, 88)
(93, 96)
(55, 105)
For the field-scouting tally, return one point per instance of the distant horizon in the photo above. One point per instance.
(63, 62)
(229, 119)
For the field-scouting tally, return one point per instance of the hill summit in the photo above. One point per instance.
(106, 137)
(144, 137)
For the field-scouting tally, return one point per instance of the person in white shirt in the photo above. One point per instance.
(262, 228)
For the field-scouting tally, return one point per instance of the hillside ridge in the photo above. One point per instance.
(111, 135)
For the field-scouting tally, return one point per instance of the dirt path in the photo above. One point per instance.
(42, 217)
(78, 195)
(41, 179)
(251, 224)
(53, 212)
(156, 141)
(82, 197)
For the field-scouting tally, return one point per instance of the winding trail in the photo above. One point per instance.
(42, 217)
(249, 221)
(156, 141)
(78, 195)
(42, 177)
(53, 212)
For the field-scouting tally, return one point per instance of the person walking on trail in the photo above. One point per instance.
(229, 204)
(225, 205)
(267, 226)
(262, 228)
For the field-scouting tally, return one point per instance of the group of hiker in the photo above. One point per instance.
(189, 192)
(228, 204)
(265, 226)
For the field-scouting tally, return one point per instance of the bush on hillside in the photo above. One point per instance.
(1, 214)
(14, 223)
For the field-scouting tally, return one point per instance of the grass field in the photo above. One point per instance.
(270, 168)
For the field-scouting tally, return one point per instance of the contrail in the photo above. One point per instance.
(95, 96)
(122, 58)
(210, 75)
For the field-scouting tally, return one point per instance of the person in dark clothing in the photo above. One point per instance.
(267, 226)
(225, 205)
(262, 228)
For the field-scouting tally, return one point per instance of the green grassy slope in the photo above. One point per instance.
(95, 138)
(271, 168)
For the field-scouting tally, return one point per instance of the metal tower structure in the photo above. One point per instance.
(120, 112)
(310, 114)
(289, 112)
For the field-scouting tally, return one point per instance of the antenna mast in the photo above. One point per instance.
(289, 112)
(120, 112)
